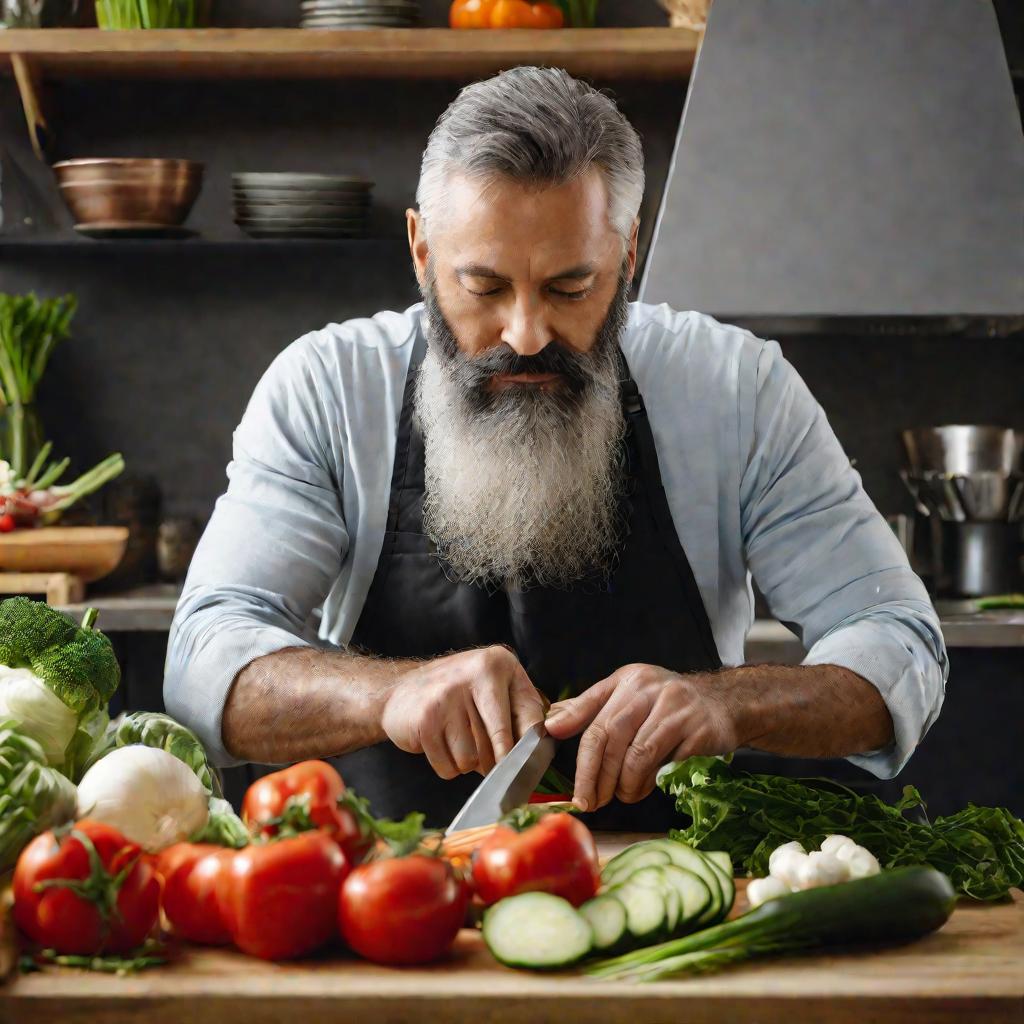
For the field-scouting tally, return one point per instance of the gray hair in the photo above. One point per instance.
(535, 125)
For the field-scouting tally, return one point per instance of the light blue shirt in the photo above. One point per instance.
(756, 482)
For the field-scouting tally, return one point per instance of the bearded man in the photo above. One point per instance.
(528, 489)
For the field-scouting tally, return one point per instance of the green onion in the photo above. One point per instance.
(895, 906)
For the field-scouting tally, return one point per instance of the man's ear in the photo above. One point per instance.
(418, 248)
(631, 250)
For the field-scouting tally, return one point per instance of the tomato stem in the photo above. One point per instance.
(101, 889)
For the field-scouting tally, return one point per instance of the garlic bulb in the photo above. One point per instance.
(147, 794)
(835, 843)
(760, 890)
(781, 852)
(861, 863)
(788, 865)
(821, 869)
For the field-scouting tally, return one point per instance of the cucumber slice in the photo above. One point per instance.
(632, 859)
(537, 930)
(692, 860)
(722, 863)
(645, 910)
(653, 878)
(607, 918)
(694, 896)
(721, 860)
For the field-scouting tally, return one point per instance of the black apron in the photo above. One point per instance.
(649, 610)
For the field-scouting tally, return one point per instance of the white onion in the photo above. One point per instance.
(145, 793)
(760, 890)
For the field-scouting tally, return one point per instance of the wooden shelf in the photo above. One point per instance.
(609, 53)
(74, 244)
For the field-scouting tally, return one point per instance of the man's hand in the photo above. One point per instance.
(464, 711)
(635, 720)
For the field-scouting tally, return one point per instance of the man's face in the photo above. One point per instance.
(518, 394)
(523, 266)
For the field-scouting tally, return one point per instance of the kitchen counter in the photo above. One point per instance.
(151, 608)
(972, 969)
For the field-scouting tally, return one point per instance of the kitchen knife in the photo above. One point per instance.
(509, 783)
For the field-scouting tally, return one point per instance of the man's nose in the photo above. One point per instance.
(526, 332)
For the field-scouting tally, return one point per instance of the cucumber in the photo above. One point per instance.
(607, 917)
(895, 906)
(537, 930)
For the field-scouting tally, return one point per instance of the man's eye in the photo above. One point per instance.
(490, 291)
(581, 294)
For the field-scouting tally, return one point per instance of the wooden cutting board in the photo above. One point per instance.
(971, 970)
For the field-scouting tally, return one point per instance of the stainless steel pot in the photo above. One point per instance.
(964, 449)
(980, 559)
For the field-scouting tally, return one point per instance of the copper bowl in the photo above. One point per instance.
(105, 168)
(149, 191)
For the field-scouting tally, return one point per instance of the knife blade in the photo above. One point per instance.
(509, 783)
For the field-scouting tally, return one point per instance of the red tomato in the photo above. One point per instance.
(191, 874)
(405, 910)
(280, 899)
(557, 855)
(8, 523)
(310, 786)
(49, 911)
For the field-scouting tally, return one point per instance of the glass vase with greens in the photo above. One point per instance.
(30, 492)
(30, 329)
(579, 13)
(129, 14)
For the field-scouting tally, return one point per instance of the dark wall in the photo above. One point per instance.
(170, 340)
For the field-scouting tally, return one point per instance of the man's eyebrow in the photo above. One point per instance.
(478, 270)
(581, 270)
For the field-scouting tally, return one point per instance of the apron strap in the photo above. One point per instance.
(640, 427)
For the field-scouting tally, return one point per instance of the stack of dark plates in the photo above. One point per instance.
(285, 205)
(360, 13)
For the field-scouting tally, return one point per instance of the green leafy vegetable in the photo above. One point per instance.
(981, 849)
(154, 729)
(33, 797)
(223, 827)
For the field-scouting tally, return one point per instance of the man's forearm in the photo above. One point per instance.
(804, 710)
(304, 703)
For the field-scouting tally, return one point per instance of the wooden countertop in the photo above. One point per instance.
(973, 969)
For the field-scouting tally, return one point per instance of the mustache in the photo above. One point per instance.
(574, 367)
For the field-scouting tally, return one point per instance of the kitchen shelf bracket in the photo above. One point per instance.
(26, 74)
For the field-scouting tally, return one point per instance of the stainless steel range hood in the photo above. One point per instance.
(847, 165)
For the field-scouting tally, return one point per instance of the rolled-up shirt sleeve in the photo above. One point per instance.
(829, 565)
(271, 552)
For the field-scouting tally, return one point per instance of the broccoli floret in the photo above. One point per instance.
(29, 627)
(77, 663)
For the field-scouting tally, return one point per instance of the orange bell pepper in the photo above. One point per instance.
(471, 13)
(504, 14)
(520, 14)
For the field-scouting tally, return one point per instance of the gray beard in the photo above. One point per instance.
(522, 487)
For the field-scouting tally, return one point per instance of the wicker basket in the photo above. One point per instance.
(691, 14)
